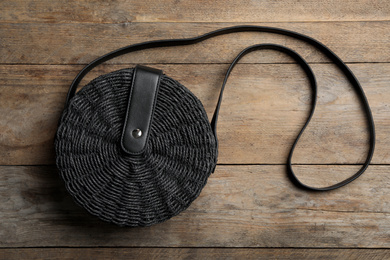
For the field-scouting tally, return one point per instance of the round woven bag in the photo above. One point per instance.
(145, 188)
(135, 147)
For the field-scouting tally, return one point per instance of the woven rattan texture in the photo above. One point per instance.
(134, 190)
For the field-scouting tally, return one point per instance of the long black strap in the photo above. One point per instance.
(249, 28)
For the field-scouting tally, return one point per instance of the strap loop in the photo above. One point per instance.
(252, 28)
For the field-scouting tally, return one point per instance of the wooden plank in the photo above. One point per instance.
(263, 109)
(241, 206)
(123, 11)
(192, 253)
(26, 43)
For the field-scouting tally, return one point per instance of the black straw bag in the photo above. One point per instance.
(135, 147)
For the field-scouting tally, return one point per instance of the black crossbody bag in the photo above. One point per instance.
(135, 147)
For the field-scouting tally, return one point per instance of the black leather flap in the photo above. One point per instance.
(142, 99)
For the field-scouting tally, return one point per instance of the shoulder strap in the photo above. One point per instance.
(251, 28)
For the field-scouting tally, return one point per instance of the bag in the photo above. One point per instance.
(135, 147)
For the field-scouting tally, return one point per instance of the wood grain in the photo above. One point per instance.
(40, 43)
(263, 109)
(122, 11)
(246, 211)
(241, 206)
(192, 253)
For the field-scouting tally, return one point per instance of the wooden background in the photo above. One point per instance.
(249, 209)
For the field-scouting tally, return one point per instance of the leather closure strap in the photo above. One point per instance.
(140, 108)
